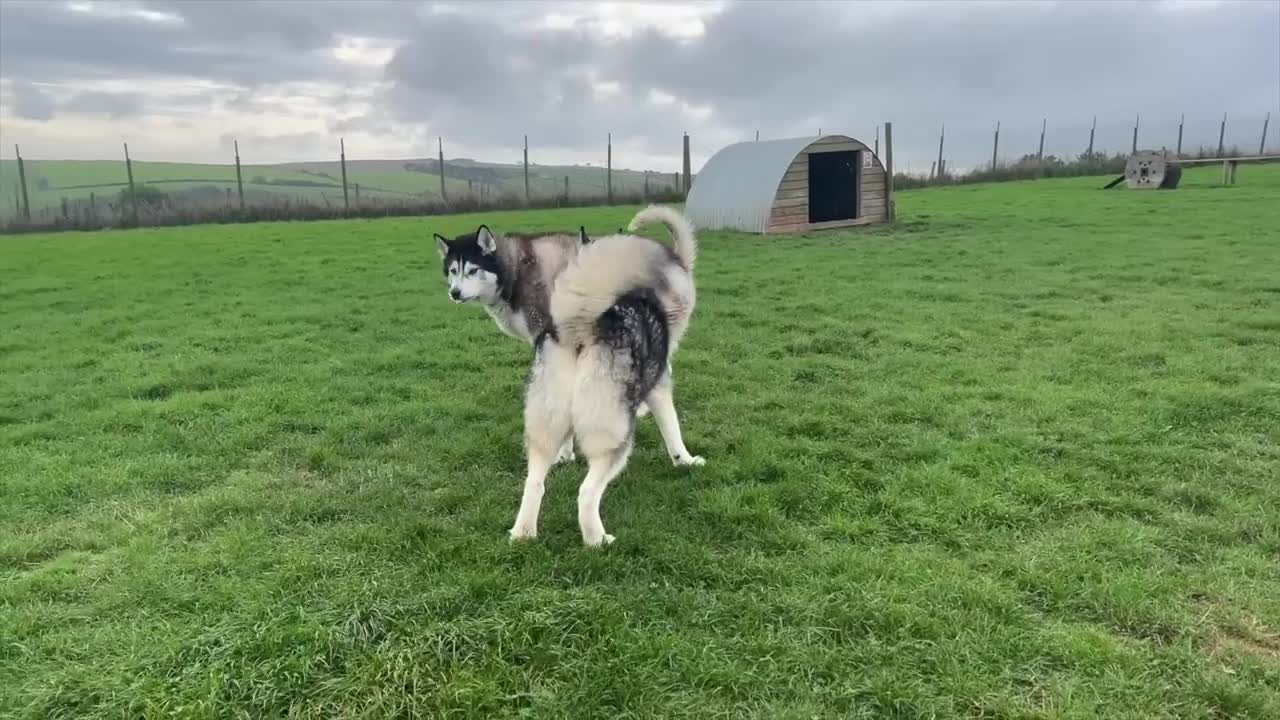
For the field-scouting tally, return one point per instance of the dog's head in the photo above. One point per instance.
(471, 266)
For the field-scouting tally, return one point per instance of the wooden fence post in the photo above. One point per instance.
(239, 179)
(608, 171)
(644, 193)
(342, 158)
(357, 195)
(443, 197)
(22, 180)
(995, 147)
(93, 205)
(1136, 121)
(1222, 135)
(688, 169)
(1091, 131)
(566, 189)
(133, 193)
(890, 210)
(526, 169)
(1181, 121)
(877, 150)
(1040, 153)
(1262, 144)
(941, 137)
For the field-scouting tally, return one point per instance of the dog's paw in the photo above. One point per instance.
(689, 461)
(643, 410)
(602, 541)
(523, 534)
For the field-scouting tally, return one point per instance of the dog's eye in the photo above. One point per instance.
(472, 272)
(453, 271)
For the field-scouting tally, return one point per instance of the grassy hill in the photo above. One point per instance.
(51, 181)
(1015, 456)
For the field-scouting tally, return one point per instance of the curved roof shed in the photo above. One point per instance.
(790, 185)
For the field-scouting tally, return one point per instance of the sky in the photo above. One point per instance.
(181, 80)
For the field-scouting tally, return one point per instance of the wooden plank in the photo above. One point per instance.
(799, 184)
(790, 175)
(890, 211)
(789, 194)
(791, 202)
(873, 184)
(872, 207)
(793, 210)
(836, 147)
(806, 226)
(837, 140)
(1249, 158)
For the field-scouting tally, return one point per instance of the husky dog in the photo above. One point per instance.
(618, 310)
(510, 276)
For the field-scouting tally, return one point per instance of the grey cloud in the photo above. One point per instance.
(971, 65)
(32, 103)
(490, 85)
(115, 105)
(786, 69)
(481, 75)
(238, 42)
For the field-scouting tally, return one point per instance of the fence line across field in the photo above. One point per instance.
(650, 183)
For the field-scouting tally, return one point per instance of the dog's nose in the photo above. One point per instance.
(455, 293)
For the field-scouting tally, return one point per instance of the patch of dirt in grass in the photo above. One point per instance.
(1236, 631)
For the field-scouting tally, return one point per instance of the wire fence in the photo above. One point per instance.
(60, 195)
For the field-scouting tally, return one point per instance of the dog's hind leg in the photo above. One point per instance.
(546, 430)
(603, 469)
(603, 425)
(663, 404)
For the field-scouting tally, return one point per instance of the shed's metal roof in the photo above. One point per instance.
(735, 189)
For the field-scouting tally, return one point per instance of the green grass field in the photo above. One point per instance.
(1018, 457)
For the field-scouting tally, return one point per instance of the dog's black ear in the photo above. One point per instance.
(442, 244)
(485, 239)
(582, 235)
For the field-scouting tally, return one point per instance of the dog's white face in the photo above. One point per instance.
(471, 266)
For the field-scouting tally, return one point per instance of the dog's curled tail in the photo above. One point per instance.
(685, 244)
(602, 272)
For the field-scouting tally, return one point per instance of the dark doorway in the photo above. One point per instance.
(833, 186)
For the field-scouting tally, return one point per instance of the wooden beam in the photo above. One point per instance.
(443, 197)
(688, 173)
(891, 212)
(342, 158)
(239, 179)
(22, 180)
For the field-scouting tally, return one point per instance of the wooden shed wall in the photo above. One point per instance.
(791, 203)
